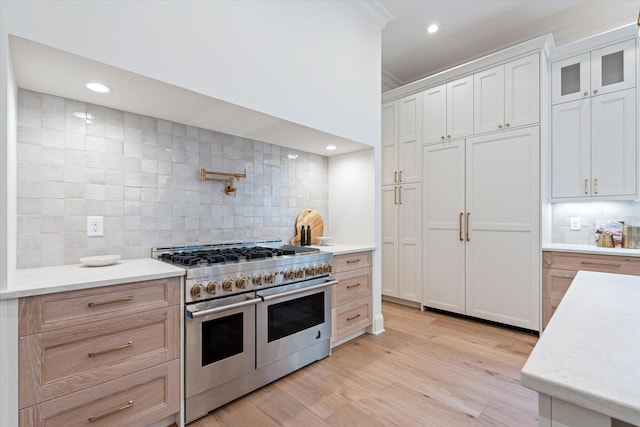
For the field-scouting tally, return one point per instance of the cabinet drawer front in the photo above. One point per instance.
(48, 312)
(352, 261)
(352, 286)
(138, 399)
(350, 318)
(67, 360)
(605, 263)
(556, 282)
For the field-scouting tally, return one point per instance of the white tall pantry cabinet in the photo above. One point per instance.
(401, 174)
(480, 189)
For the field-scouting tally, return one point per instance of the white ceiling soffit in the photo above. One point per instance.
(469, 29)
(52, 71)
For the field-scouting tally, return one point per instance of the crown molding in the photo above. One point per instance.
(376, 12)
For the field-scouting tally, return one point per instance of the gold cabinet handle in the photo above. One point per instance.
(115, 301)
(442, 137)
(468, 215)
(395, 176)
(400, 194)
(112, 412)
(595, 185)
(586, 93)
(122, 347)
(460, 226)
(586, 182)
(449, 136)
(353, 317)
(395, 195)
(595, 91)
(351, 261)
(400, 176)
(507, 125)
(600, 264)
(353, 286)
(499, 126)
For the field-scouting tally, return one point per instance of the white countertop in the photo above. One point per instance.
(588, 249)
(344, 248)
(589, 354)
(46, 280)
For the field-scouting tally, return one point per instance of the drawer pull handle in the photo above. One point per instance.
(122, 347)
(115, 301)
(603, 264)
(353, 317)
(113, 411)
(351, 261)
(353, 286)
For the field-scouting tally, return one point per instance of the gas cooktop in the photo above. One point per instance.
(208, 255)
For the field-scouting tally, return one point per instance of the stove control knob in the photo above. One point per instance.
(269, 278)
(258, 279)
(299, 273)
(326, 268)
(241, 282)
(289, 275)
(227, 285)
(212, 287)
(196, 290)
(319, 269)
(310, 271)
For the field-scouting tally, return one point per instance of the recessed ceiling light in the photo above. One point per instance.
(432, 28)
(331, 147)
(97, 87)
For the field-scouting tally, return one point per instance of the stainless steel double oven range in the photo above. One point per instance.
(254, 312)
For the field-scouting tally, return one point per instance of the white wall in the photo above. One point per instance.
(315, 63)
(352, 197)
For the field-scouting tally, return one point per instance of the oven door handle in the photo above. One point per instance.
(299, 291)
(197, 313)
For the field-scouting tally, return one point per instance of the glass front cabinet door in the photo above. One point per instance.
(606, 70)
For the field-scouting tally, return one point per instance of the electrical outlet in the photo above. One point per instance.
(95, 226)
(574, 223)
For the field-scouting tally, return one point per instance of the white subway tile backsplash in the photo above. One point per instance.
(143, 175)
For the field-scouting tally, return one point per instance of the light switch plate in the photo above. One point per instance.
(574, 223)
(95, 226)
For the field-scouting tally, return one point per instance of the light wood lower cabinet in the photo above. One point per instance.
(138, 399)
(108, 354)
(559, 269)
(351, 297)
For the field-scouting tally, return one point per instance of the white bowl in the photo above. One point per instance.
(324, 240)
(100, 260)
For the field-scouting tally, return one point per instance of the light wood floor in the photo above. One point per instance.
(427, 369)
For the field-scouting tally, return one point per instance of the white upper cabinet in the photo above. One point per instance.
(401, 136)
(389, 142)
(593, 149)
(507, 96)
(594, 73)
(409, 139)
(447, 111)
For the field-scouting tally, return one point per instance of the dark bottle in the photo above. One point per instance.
(303, 236)
(309, 242)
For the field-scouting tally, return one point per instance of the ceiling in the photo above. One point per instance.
(469, 29)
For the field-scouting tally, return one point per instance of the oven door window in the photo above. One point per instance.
(222, 338)
(290, 317)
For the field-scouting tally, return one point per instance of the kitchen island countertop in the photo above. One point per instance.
(588, 354)
(47, 280)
